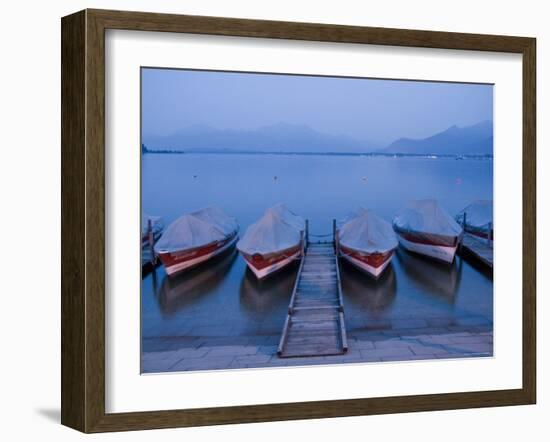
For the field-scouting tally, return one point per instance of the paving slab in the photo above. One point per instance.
(166, 354)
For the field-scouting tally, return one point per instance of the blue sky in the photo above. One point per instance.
(367, 109)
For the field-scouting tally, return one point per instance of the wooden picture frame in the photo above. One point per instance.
(83, 219)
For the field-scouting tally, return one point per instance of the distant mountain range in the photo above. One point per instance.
(476, 139)
(283, 137)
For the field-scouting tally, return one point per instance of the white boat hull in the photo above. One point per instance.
(375, 272)
(266, 271)
(442, 253)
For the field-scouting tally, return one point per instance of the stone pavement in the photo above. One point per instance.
(405, 340)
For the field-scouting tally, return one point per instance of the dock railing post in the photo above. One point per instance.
(334, 234)
(151, 239)
(307, 232)
(463, 229)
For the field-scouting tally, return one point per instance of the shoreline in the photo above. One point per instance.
(471, 339)
(328, 154)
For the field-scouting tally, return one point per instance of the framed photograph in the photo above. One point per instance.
(269, 220)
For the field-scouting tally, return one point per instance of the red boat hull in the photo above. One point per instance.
(264, 265)
(373, 264)
(180, 260)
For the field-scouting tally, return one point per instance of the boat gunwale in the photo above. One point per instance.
(193, 249)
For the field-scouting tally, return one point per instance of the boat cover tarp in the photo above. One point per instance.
(196, 229)
(350, 215)
(289, 217)
(218, 218)
(479, 216)
(157, 224)
(277, 230)
(367, 233)
(427, 220)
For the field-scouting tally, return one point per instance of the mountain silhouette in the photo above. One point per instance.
(280, 137)
(470, 140)
(283, 137)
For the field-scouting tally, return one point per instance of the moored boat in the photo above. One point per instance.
(195, 238)
(424, 227)
(367, 241)
(273, 242)
(477, 219)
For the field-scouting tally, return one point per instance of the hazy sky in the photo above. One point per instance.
(376, 110)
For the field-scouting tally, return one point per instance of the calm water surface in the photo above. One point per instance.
(222, 298)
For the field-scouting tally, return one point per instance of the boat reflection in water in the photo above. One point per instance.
(432, 277)
(185, 289)
(365, 293)
(259, 298)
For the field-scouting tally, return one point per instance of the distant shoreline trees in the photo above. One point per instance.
(146, 150)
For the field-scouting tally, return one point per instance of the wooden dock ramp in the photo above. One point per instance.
(479, 248)
(315, 322)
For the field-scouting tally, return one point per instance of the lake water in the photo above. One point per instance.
(222, 298)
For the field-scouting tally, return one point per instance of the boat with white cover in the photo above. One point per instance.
(477, 219)
(367, 241)
(425, 227)
(195, 238)
(273, 242)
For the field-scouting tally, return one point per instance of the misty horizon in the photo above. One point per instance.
(291, 138)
